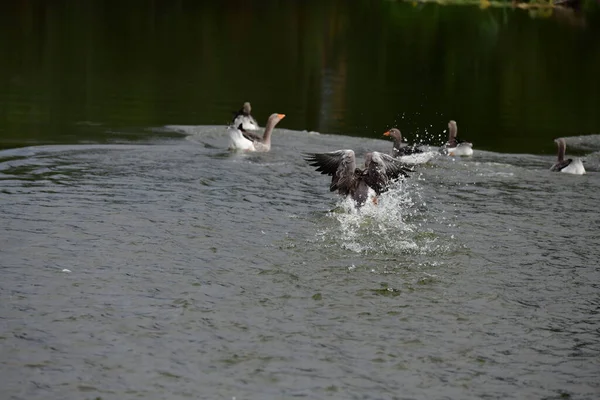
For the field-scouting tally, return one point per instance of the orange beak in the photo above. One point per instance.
(281, 116)
(386, 133)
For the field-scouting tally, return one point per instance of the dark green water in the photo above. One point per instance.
(103, 71)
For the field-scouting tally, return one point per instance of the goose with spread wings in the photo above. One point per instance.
(360, 184)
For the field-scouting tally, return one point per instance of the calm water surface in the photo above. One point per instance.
(141, 259)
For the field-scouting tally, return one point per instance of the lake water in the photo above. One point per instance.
(141, 259)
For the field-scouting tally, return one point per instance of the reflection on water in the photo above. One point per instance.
(513, 82)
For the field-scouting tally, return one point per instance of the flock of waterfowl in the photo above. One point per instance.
(380, 169)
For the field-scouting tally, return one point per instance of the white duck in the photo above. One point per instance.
(568, 166)
(244, 117)
(241, 139)
(455, 147)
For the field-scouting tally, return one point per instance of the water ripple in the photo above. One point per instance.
(241, 274)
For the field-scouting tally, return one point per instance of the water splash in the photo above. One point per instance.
(393, 226)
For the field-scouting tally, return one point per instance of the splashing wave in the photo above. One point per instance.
(394, 226)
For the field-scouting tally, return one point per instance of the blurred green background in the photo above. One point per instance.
(513, 78)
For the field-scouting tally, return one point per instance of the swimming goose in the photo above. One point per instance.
(455, 147)
(241, 139)
(568, 166)
(359, 184)
(400, 149)
(243, 117)
(408, 154)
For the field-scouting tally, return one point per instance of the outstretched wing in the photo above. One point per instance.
(392, 167)
(339, 164)
(382, 169)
